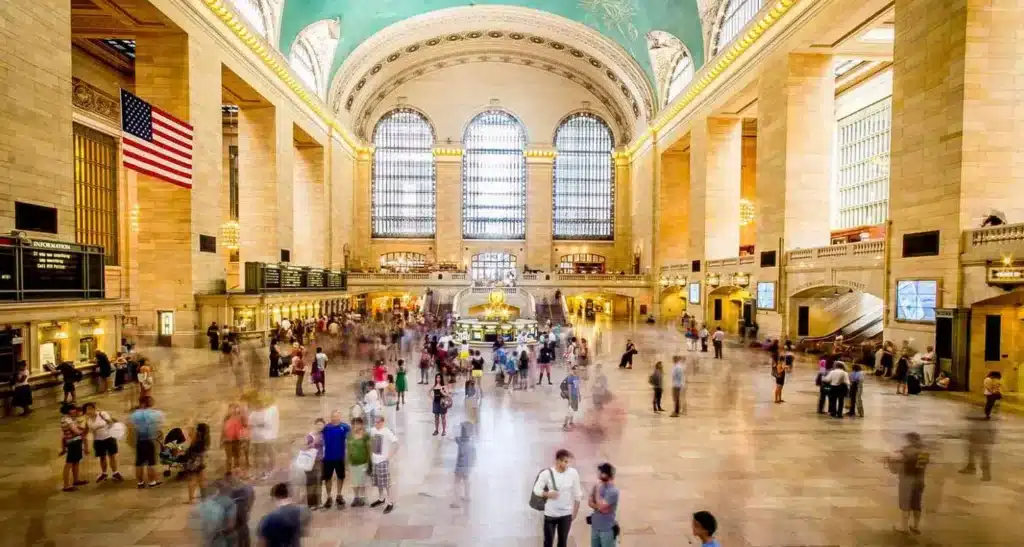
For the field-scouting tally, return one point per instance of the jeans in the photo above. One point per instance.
(602, 539)
(299, 375)
(718, 348)
(557, 526)
(856, 400)
(990, 403)
(657, 398)
(677, 401)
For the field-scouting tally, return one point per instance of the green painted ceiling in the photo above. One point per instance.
(627, 22)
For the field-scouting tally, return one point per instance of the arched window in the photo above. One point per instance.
(306, 66)
(313, 52)
(582, 263)
(402, 262)
(494, 177)
(255, 13)
(682, 75)
(492, 266)
(403, 176)
(735, 16)
(584, 186)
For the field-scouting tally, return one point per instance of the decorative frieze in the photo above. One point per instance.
(95, 101)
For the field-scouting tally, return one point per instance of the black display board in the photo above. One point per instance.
(50, 270)
(261, 278)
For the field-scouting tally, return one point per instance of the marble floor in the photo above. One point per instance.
(774, 475)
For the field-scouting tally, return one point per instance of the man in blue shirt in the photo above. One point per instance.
(335, 436)
(572, 383)
(704, 528)
(678, 385)
(146, 422)
(604, 500)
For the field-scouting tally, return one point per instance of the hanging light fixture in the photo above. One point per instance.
(746, 212)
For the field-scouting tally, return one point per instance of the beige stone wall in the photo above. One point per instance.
(748, 188)
(97, 73)
(310, 208)
(342, 211)
(35, 111)
(642, 205)
(673, 204)
(539, 173)
(257, 191)
(1011, 353)
(716, 152)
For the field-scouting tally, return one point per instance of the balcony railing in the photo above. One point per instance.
(873, 249)
(995, 235)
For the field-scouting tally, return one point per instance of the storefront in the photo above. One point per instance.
(256, 314)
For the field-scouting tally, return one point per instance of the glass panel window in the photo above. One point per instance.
(493, 266)
(305, 65)
(682, 75)
(735, 16)
(584, 185)
(862, 174)
(252, 12)
(403, 176)
(401, 262)
(494, 178)
(96, 190)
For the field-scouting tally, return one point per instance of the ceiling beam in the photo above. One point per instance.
(116, 60)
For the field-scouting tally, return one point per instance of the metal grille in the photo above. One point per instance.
(735, 16)
(403, 261)
(494, 178)
(584, 186)
(96, 190)
(493, 266)
(862, 178)
(404, 201)
(233, 181)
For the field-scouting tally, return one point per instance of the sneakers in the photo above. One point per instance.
(102, 477)
(328, 503)
(340, 502)
(389, 508)
(378, 503)
(117, 477)
(81, 483)
(69, 489)
(358, 502)
(153, 484)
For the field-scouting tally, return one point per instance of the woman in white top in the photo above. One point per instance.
(104, 445)
(264, 422)
(839, 385)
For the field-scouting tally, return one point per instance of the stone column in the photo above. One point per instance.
(310, 210)
(540, 172)
(674, 211)
(795, 131)
(181, 76)
(343, 204)
(622, 255)
(956, 126)
(285, 138)
(716, 152)
(795, 126)
(257, 185)
(448, 241)
(35, 111)
(362, 171)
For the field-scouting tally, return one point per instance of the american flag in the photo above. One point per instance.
(155, 143)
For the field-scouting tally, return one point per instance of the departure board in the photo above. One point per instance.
(50, 270)
(261, 278)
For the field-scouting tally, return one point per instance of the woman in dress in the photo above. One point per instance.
(902, 370)
(195, 459)
(401, 384)
(441, 401)
(22, 389)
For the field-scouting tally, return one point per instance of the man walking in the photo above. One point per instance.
(604, 500)
(716, 339)
(570, 388)
(146, 423)
(678, 385)
(560, 486)
(286, 524)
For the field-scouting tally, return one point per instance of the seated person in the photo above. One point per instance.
(943, 382)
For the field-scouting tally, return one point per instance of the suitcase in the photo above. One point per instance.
(913, 385)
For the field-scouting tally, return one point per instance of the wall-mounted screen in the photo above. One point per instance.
(916, 300)
(766, 295)
(694, 296)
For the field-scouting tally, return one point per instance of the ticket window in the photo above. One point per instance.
(245, 319)
(91, 335)
(11, 341)
(164, 328)
(53, 350)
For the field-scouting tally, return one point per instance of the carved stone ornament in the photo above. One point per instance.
(95, 101)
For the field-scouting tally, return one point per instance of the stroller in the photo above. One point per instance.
(172, 451)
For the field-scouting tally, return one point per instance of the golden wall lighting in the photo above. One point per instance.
(133, 218)
(231, 235)
(746, 212)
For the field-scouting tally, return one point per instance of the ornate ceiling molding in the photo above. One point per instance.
(424, 33)
(622, 121)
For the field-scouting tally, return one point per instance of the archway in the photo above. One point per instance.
(818, 315)
(997, 340)
(728, 307)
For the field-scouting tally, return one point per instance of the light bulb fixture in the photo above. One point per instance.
(231, 235)
(746, 212)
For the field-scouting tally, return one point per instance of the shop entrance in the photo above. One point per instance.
(997, 341)
(730, 308)
(165, 328)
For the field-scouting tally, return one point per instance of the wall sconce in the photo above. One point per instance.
(231, 235)
(133, 218)
(746, 212)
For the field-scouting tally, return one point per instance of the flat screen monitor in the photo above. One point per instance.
(694, 296)
(766, 295)
(916, 300)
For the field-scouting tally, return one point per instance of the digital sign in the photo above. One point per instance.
(766, 295)
(50, 270)
(916, 300)
(1005, 275)
(261, 278)
(694, 296)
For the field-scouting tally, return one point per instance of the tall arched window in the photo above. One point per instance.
(682, 75)
(584, 186)
(735, 16)
(403, 176)
(255, 13)
(313, 52)
(494, 177)
(492, 266)
(306, 65)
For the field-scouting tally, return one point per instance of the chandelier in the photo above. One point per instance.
(746, 212)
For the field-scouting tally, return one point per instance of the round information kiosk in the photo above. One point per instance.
(495, 320)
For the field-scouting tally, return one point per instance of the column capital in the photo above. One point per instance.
(540, 155)
(448, 154)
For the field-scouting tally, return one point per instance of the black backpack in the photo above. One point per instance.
(564, 388)
(537, 502)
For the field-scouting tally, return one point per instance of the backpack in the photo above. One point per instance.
(564, 388)
(77, 375)
(537, 502)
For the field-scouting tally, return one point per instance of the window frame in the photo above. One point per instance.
(732, 10)
(509, 262)
(517, 155)
(561, 154)
(862, 139)
(88, 211)
(377, 165)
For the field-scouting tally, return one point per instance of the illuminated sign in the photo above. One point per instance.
(714, 280)
(1006, 275)
(262, 278)
(741, 279)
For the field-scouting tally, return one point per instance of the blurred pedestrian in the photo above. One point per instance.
(286, 524)
(604, 500)
(993, 385)
(465, 460)
(910, 464)
(657, 381)
(981, 435)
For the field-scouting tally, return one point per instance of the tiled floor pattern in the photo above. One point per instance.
(775, 475)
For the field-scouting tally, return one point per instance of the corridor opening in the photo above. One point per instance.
(729, 307)
(819, 314)
(593, 305)
(997, 341)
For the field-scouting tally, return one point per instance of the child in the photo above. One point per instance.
(357, 452)
(704, 526)
(401, 384)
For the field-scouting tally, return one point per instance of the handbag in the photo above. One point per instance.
(537, 502)
(446, 402)
(306, 459)
(118, 431)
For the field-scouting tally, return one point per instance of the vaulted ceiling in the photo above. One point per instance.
(626, 22)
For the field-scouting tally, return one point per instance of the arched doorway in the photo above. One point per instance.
(493, 266)
(820, 314)
(997, 340)
(729, 307)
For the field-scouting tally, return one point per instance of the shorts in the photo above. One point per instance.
(381, 475)
(105, 447)
(780, 381)
(523, 372)
(357, 475)
(477, 373)
(333, 468)
(145, 453)
(380, 385)
(911, 495)
(69, 388)
(74, 451)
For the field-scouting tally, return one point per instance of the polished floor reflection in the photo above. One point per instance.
(774, 475)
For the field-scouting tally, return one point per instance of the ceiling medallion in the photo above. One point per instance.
(594, 62)
(611, 76)
(454, 37)
(495, 34)
(536, 39)
(393, 57)
(433, 41)
(360, 84)
(557, 46)
(475, 34)
(376, 68)
(575, 53)
(413, 48)
(516, 36)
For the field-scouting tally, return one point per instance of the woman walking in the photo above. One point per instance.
(657, 380)
(993, 391)
(465, 459)
(104, 445)
(22, 389)
(195, 460)
(401, 384)
(425, 360)
(441, 402)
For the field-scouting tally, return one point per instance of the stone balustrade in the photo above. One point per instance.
(995, 235)
(874, 250)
